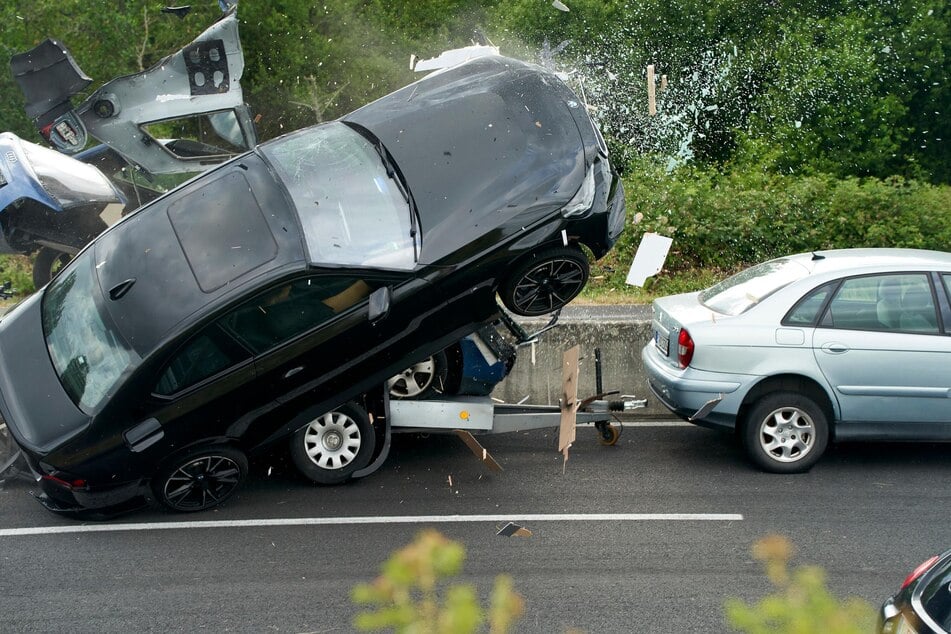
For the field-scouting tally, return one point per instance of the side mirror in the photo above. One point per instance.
(380, 304)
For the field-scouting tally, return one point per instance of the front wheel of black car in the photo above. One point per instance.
(200, 479)
(546, 282)
(330, 448)
(786, 432)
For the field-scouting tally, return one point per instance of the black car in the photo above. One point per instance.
(276, 294)
(923, 604)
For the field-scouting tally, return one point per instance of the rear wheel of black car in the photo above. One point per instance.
(786, 432)
(422, 379)
(330, 448)
(546, 282)
(200, 479)
(47, 263)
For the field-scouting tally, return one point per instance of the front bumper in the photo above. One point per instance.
(687, 392)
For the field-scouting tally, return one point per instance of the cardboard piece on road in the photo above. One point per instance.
(569, 399)
(480, 452)
(649, 259)
(513, 529)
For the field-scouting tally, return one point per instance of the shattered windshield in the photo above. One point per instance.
(87, 351)
(352, 211)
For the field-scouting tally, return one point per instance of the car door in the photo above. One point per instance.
(884, 349)
(312, 337)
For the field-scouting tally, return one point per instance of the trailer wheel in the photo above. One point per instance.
(330, 448)
(609, 435)
(47, 263)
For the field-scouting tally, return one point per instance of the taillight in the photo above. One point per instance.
(684, 348)
(917, 572)
(76, 483)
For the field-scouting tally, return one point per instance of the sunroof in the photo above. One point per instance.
(222, 230)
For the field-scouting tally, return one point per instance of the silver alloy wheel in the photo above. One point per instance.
(201, 483)
(414, 380)
(787, 434)
(332, 441)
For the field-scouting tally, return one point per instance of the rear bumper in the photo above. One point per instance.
(685, 392)
(87, 502)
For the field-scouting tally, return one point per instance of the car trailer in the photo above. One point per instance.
(469, 416)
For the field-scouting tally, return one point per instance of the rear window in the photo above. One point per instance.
(88, 353)
(739, 293)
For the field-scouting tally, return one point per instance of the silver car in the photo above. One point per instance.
(795, 352)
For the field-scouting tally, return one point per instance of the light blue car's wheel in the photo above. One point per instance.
(786, 432)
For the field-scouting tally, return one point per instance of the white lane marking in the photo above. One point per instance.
(396, 519)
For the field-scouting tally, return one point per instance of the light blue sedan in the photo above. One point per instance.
(853, 344)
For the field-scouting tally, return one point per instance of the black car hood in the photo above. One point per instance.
(34, 404)
(488, 143)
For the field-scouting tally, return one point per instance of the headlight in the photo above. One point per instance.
(583, 200)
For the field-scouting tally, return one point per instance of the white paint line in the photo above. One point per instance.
(397, 519)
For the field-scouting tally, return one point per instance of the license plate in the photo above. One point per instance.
(662, 343)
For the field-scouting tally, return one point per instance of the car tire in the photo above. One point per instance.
(421, 380)
(546, 282)
(785, 432)
(330, 448)
(200, 479)
(46, 264)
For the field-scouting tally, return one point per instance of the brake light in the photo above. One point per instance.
(69, 484)
(684, 348)
(917, 572)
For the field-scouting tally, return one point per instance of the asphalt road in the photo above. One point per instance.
(691, 507)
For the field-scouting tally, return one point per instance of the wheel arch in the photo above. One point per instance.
(788, 383)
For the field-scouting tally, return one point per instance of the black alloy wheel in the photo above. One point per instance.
(200, 479)
(547, 282)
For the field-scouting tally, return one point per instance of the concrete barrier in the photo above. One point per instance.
(619, 331)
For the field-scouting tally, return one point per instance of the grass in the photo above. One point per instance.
(607, 283)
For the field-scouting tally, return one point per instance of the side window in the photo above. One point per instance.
(896, 302)
(294, 308)
(806, 311)
(204, 356)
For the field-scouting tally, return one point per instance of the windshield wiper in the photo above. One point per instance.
(391, 173)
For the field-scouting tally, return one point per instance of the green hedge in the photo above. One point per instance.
(724, 221)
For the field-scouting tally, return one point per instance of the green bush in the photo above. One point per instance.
(18, 270)
(411, 595)
(722, 222)
(801, 603)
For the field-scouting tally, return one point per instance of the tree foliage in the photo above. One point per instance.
(843, 87)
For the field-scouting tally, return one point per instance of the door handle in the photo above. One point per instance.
(835, 348)
(293, 371)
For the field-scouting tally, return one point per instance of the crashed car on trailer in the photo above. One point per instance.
(281, 290)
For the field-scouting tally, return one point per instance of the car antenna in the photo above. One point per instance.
(817, 256)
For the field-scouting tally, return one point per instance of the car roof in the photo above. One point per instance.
(871, 259)
(191, 250)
